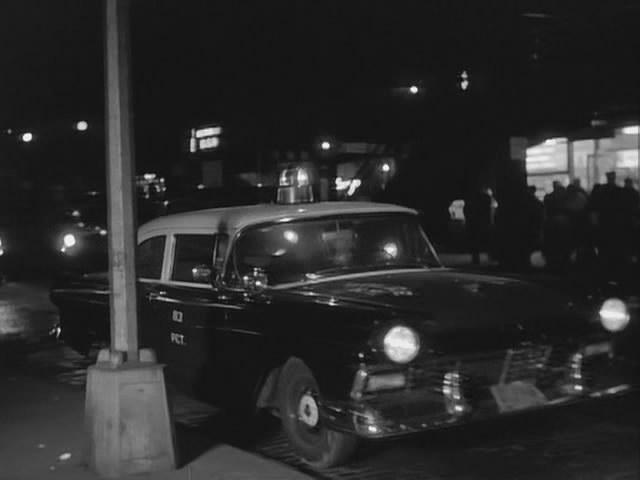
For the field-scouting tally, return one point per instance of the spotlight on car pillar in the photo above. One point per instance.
(294, 186)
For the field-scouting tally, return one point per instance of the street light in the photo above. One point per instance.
(26, 137)
(464, 80)
(82, 126)
(325, 145)
(386, 168)
(414, 89)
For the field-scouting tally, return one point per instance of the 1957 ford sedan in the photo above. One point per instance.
(340, 319)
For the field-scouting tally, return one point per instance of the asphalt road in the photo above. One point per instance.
(598, 440)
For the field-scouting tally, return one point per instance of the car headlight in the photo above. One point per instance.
(614, 315)
(401, 344)
(68, 241)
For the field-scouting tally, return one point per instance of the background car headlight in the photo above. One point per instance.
(68, 241)
(401, 344)
(614, 315)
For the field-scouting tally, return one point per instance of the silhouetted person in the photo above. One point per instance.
(630, 196)
(534, 214)
(607, 207)
(631, 209)
(577, 197)
(576, 205)
(477, 213)
(557, 227)
(513, 228)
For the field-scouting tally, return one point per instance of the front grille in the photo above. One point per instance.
(526, 363)
(532, 362)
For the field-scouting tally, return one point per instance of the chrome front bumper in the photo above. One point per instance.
(589, 374)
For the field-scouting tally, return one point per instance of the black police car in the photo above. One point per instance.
(340, 318)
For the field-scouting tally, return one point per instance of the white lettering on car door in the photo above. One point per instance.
(176, 316)
(178, 339)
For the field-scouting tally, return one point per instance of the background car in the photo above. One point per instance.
(77, 232)
(21, 246)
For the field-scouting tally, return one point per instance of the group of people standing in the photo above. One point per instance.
(570, 226)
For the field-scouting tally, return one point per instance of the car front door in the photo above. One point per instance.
(150, 256)
(191, 310)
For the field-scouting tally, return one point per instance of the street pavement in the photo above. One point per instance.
(42, 436)
(42, 408)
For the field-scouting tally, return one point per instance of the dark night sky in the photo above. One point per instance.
(287, 70)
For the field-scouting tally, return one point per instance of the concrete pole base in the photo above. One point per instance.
(127, 417)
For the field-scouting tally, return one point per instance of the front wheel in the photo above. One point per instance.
(300, 415)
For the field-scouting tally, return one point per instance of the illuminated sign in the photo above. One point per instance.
(208, 143)
(204, 138)
(208, 132)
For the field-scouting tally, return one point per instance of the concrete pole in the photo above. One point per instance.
(120, 178)
(127, 416)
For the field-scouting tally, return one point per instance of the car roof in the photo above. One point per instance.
(236, 218)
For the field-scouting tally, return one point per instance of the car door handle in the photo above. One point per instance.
(156, 295)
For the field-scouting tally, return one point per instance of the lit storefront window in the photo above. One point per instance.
(587, 160)
(628, 159)
(548, 157)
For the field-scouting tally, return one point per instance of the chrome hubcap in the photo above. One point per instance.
(308, 410)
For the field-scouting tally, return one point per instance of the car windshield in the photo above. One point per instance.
(310, 249)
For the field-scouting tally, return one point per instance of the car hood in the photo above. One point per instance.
(458, 306)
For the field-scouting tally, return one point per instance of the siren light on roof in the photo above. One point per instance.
(294, 186)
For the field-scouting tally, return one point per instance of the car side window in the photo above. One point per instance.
(190, 252)
(149, 256)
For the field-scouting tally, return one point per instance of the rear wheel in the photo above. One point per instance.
(298, 396)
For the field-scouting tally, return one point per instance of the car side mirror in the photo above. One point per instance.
(255, 281)
(201, 273)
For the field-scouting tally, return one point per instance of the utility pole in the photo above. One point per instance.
(126, 409)
(120, 181)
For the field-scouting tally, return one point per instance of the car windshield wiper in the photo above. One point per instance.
(330, 270)
(362, 268)
(387, 266)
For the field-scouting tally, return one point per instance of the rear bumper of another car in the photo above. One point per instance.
(449, 397)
